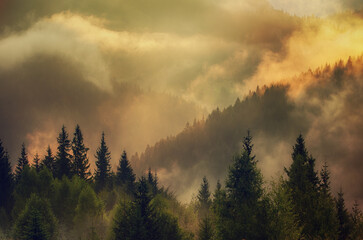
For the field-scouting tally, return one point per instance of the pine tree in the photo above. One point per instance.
(203, 197)
(153, 182)
(304, 187)
(244, 190)
(80, 159)
(36, 162)
(63, 162)
(326, 208)
(205, 229)
(103, 167)
(6, 179)
(357, 222)
(49, 161)
(125, 175)
(343, 217)
(36, 221)
(22, 162)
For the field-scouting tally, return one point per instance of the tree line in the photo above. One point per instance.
(57, 197)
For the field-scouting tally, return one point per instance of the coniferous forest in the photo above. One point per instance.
(181, 120)
(56, 196)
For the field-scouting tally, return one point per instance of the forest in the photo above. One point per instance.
(57, 197)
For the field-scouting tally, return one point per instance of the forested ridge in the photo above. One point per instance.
(57, 197)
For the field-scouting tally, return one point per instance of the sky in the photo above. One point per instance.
(140, 70)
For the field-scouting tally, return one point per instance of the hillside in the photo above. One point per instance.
(316, 103)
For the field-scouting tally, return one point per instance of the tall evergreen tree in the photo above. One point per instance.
(80, 159)
(22, 162)
(6, 179)
(36, 162)
(36, 221)
(125, 176)
(153, 182)
(357, 222)
(326, 208)
(244, 190)
(204, 200)
(205, 229)
(63, 162)
(103, 167)
(304, 185)
(343, 217)
(49, 161)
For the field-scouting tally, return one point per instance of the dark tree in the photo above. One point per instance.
(204, 200)
(205, 229)
(238, 216)
(36, 162)
(304, 187)
(125, 176)
(326, 208)
(36, 221)
(80, 159)
(49, 161)
(103, 167)
(63, 162)
(6, 180)
(153, 182)
(138, 220)
(22, 162)
(343, 217)
(357, 222)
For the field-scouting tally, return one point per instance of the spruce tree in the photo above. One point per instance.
(63, 162)
(36, 221)
(304, 187)
(203, 197)
(357, 222)
(244, 190)
(326, 208)
(103, 167)
(344, 228)
(205, 229)
(49, 161)
(125, 176)
(36, 163)
(80, 159)
(6, 180)
(22, 162)
(153, 182)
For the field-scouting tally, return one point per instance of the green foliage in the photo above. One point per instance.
(138, 220)
(153, 182)
(22, 162)
(80, 159)
(303, 183)
(63, 164)
(36, 221)
(125, 176)
(241, 214)
(283, 222)
(204, 200)
(103, 167)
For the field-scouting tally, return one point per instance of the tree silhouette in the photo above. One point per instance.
(80, 159)
(63, 158)
(203, 197)
(22, 162)
(49, 161)
(343, 217)
(125, 176)
(36, 162)
(103, 167)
